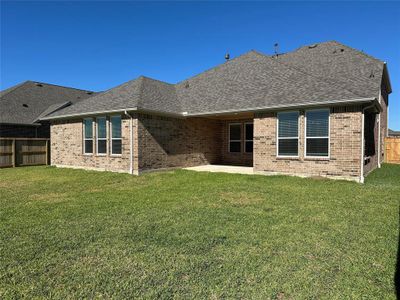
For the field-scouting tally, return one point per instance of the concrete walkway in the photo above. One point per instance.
(223, 169)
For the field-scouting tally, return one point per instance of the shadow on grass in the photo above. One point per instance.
(397, 273)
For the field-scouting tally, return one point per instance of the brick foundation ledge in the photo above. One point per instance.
(303, 175)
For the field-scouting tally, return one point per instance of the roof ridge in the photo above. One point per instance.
(13, 88)
(117, 86)
(217, 66)
(358, 51)
(61, 86)
(153, 79)
(308, 74)
(141, 88)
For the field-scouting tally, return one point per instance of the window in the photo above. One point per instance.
(288, 133)
(248, 133)
(235, 137)
(116, 141)
(101, 137)
(88, 136)
(317, 133)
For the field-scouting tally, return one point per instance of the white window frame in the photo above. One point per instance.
(87, 139)
(97, 136)
(288, 138)
(111, 136)
(317, 137)
(229, 137)
(245, 137)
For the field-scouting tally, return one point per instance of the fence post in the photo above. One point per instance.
(13, 149)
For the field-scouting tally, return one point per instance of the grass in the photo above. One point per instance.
(82, 234)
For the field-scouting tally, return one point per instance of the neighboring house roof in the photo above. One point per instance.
(26, 102)
(318, 74)
(394, 133)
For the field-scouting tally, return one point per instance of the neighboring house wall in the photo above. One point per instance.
(67, 147)
(345, 147)
(166, 142)
(22, 131)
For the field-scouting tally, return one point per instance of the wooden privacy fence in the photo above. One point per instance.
(392, 153)
(15, 152)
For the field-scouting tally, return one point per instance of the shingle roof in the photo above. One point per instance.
(27, 101)
(334, 62)
(142, 92)
(320, 73)
(255, 80)
(394, 133)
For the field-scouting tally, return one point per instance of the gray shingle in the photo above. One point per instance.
(337, 63)
(25, 102)
(321, 73)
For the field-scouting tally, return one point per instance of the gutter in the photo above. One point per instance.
(222, 112)
(131, 142)
(89, 113)
(21, 124)
(283, 106)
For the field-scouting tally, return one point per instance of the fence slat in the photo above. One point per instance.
(392, 146)
(23, 152)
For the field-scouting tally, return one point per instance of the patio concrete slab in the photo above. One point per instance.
(223, 169)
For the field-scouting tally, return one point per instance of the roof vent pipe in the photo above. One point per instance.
(276, 49)
(227, 56)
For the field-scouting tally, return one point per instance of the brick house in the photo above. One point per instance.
(318, 111)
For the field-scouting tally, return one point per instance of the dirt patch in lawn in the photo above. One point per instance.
(241, 198)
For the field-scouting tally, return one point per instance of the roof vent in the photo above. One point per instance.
(89, 92)
(227, 56)
(372, 75)
(341, 50)
(186, 85)
(25, 105)
(312, 46)
(39, 84)
(276, 49)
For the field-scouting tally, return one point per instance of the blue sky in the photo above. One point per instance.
(97, 45)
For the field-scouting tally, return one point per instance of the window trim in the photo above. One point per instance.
(288, 138)
(97, 137)
(87, 139)
(229, 137)
(111, 136)
(317, 137)
(245, 137)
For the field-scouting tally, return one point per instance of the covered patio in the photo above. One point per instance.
(235, 143)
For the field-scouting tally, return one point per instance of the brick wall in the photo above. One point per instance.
(170, 142)
(164, 142)
(384, 119)
(381, 120)
(345, 147)
(67, 147)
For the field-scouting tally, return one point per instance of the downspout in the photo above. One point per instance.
(379, 133)
(131, 142)
(362, 142)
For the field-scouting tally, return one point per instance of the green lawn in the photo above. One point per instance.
(82, 234)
